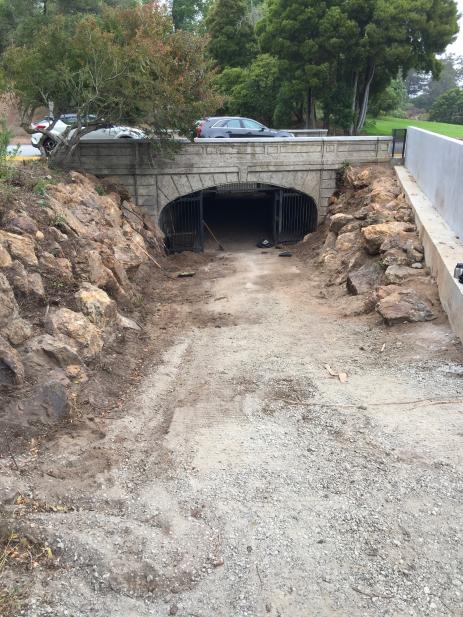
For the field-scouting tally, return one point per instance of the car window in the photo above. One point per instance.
(234, 123)
(220, 123)
(252, 124)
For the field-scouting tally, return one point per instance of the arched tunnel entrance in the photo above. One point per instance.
(238, 215)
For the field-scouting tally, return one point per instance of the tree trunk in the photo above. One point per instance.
(354, 102)
(310, 117)
(364, 105)
(308, 108)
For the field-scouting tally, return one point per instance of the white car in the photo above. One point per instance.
(48, 143)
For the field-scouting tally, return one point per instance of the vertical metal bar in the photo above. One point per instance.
(201, 225)
(275, 205)
(404, 142)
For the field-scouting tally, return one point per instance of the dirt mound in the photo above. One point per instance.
(369, 246)
(75, 257)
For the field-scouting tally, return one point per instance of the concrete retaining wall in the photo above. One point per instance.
(436, 163)
(306, 164)
(442, 249)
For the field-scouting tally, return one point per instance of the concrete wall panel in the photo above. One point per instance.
(436, 163)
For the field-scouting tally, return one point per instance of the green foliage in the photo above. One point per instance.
(342, 51)
(123, 66)
(6, 168)
(232, 38)
(449, 76)
(188, 14)
(448, 107)
(253, 90)
(393, 100)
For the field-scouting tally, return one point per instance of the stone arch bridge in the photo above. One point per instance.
(307, 164)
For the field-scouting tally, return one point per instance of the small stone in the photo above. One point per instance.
(417, 265)
(39, 235)
(173, 610)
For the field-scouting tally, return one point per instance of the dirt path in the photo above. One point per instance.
(244, 480)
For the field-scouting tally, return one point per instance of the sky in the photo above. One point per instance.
(457, 47)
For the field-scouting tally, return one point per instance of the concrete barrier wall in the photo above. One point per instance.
(436, 163)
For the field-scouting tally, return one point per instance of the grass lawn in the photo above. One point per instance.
(384, 126)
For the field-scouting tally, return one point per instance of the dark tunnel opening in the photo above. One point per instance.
(238, 217)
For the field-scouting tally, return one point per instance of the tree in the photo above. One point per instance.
(252, 91)
(448, 107)
(343, 51)
(232, 38)
(126, 65)
(449, 76)
(188, 14)
(394, 99)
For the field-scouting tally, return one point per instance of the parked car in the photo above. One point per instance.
(111, 132)
(235, 127)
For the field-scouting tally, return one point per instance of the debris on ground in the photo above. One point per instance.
(183, 275)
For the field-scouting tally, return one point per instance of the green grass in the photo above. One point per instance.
(384, 126)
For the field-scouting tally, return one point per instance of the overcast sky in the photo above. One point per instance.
(457, 47)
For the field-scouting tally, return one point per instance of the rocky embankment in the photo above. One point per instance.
(373, 249)
(71, 254)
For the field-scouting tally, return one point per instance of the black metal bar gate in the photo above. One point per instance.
(294, 215)
(182, 224)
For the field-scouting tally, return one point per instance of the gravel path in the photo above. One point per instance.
(245, 480)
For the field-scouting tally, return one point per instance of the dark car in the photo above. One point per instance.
(235, 127)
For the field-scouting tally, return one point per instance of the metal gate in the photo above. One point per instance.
(295, 215)
(399, 139)
(182, 223)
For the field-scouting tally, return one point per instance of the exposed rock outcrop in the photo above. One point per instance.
(372, 246)
(69, 263)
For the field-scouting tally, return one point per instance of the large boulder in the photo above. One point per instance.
(20, 222)
(365, 279)
(25, 282)
(17, 331)
(19, 247)
(404, 305)
(376, 235)
(77, 327)
(102, 276)
(397, 274)
(59, 268)
(47, 403)
(62, 350)
(11, 367)
(96, 304)
(384, 189)
(131, 253)
(8, 305)
(349, 242)
(395, 257)
(338, 221)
